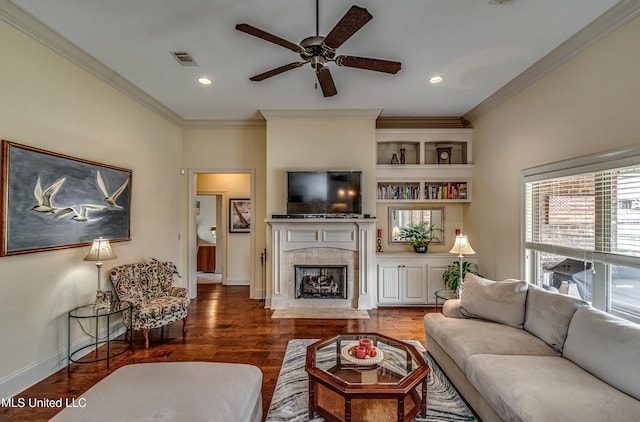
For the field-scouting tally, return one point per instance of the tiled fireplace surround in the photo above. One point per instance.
(321, 242)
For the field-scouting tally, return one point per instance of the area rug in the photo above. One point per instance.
(290, 397)
(321, 313)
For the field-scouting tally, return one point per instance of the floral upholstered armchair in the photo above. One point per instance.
(155, 302)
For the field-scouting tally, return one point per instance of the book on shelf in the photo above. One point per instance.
(399, 191)
(446, 191)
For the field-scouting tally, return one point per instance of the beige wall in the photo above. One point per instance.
(234, 150)
(320, 144)
(587, 105)
(50, 103)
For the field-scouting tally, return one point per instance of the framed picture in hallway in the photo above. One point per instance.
(239, 215)
(55, 201)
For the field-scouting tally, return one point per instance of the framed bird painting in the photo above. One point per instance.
(54, 201)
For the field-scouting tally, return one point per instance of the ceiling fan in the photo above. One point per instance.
(318, 51)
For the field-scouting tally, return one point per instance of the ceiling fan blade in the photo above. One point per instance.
(326, 82)
(257, 32)
(351, 22)
(376, 65)
(276, 71)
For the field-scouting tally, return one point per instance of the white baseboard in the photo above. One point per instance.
(37, 371)
(231, 282)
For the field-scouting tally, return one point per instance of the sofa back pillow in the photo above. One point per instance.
(497, 301)
(606, 346)
(548, 315)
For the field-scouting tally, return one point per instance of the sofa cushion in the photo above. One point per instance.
(462, 338)
(544, 388)
(453, 309)
(548, 315)
(498, 301)
(606, 346)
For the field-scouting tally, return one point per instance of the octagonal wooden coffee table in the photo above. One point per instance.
(343, 388)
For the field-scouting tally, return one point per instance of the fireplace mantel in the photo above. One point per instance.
(353, 234)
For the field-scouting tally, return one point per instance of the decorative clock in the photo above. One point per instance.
(444, 155)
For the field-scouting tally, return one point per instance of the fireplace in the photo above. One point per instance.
(347, 243)
(321, 282)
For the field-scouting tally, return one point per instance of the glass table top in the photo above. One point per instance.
(89, 311)
(399, 360)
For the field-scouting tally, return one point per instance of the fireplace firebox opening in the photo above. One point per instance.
(321, 282)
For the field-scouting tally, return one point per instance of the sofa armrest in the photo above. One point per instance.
(178, 292)
(452, 309)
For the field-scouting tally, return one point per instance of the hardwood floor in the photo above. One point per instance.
(224, 326)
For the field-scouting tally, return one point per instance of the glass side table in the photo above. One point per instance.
(444, 295)
(89, 312)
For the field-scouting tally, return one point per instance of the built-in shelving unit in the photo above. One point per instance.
(409, 169)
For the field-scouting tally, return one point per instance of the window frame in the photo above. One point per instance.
(601, 261)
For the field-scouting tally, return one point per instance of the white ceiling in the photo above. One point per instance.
(478, 47)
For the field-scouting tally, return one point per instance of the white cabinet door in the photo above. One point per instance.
(412, 279)
(413, 284)
(389, 284)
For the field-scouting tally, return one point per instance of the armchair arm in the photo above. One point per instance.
(178, 292)
(134, 303)
(452, 309)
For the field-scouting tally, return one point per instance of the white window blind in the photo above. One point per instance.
(593, 215)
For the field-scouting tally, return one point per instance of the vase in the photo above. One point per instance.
(402, 156)
(420, 249)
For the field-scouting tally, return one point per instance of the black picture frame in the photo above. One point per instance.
(239, 215)
(53, 201)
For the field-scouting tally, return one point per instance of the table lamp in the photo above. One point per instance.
(100, 251)
(461, 247)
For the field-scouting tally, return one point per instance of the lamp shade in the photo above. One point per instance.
(100, 251)
(462, 246)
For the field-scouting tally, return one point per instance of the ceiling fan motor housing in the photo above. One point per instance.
(314, 46)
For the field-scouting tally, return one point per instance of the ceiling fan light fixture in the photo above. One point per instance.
(436, 79)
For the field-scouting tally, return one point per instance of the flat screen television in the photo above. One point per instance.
(324, 192)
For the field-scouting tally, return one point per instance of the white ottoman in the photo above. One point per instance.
(173, 391)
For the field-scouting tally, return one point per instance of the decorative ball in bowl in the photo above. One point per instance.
(371, 356)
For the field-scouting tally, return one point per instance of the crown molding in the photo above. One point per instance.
(449, 122)
(612, 19)
(225, 124)
(21, 20)
(325, 114)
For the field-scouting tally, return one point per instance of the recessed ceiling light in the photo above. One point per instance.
(436, 79)
(205, 81)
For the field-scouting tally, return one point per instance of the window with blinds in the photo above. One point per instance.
(582, 229)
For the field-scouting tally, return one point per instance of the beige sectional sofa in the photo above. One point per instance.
(517, 352)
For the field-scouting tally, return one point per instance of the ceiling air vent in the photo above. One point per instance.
(184, 58)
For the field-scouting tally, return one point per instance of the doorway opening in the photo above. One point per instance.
(215, 252)
(209, 229)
